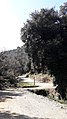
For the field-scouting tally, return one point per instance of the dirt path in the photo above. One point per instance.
(39, 84)
(22, 104)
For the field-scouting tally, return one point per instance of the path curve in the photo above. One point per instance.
(22, 104)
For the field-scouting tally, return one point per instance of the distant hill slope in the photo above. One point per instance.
(14, 62)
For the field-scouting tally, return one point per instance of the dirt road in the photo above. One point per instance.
(22, 104)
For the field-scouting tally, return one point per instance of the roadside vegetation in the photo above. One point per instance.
(45, 38)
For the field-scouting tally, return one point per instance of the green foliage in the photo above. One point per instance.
(12, 64)
(7, 81)
(33, 34)
(63, 9)
(45, 37)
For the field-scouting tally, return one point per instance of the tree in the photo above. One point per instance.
(61, 79)
(12, 64)
(45, 38)
(63, 9)
(35, 34)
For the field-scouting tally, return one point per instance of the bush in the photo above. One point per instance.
(8, 81)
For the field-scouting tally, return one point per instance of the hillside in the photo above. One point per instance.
(13, 63)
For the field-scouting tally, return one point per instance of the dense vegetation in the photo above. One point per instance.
(45, 38)
(12, 64)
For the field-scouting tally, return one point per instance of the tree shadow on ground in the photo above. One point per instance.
(8, 115)
(8, 94)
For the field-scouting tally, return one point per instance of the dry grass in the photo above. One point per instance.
(26, 85)
(42, 77)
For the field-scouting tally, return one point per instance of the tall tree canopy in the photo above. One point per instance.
(44, 35)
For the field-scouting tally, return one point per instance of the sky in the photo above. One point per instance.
(13, 13)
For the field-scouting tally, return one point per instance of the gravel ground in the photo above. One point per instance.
(22, 104)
